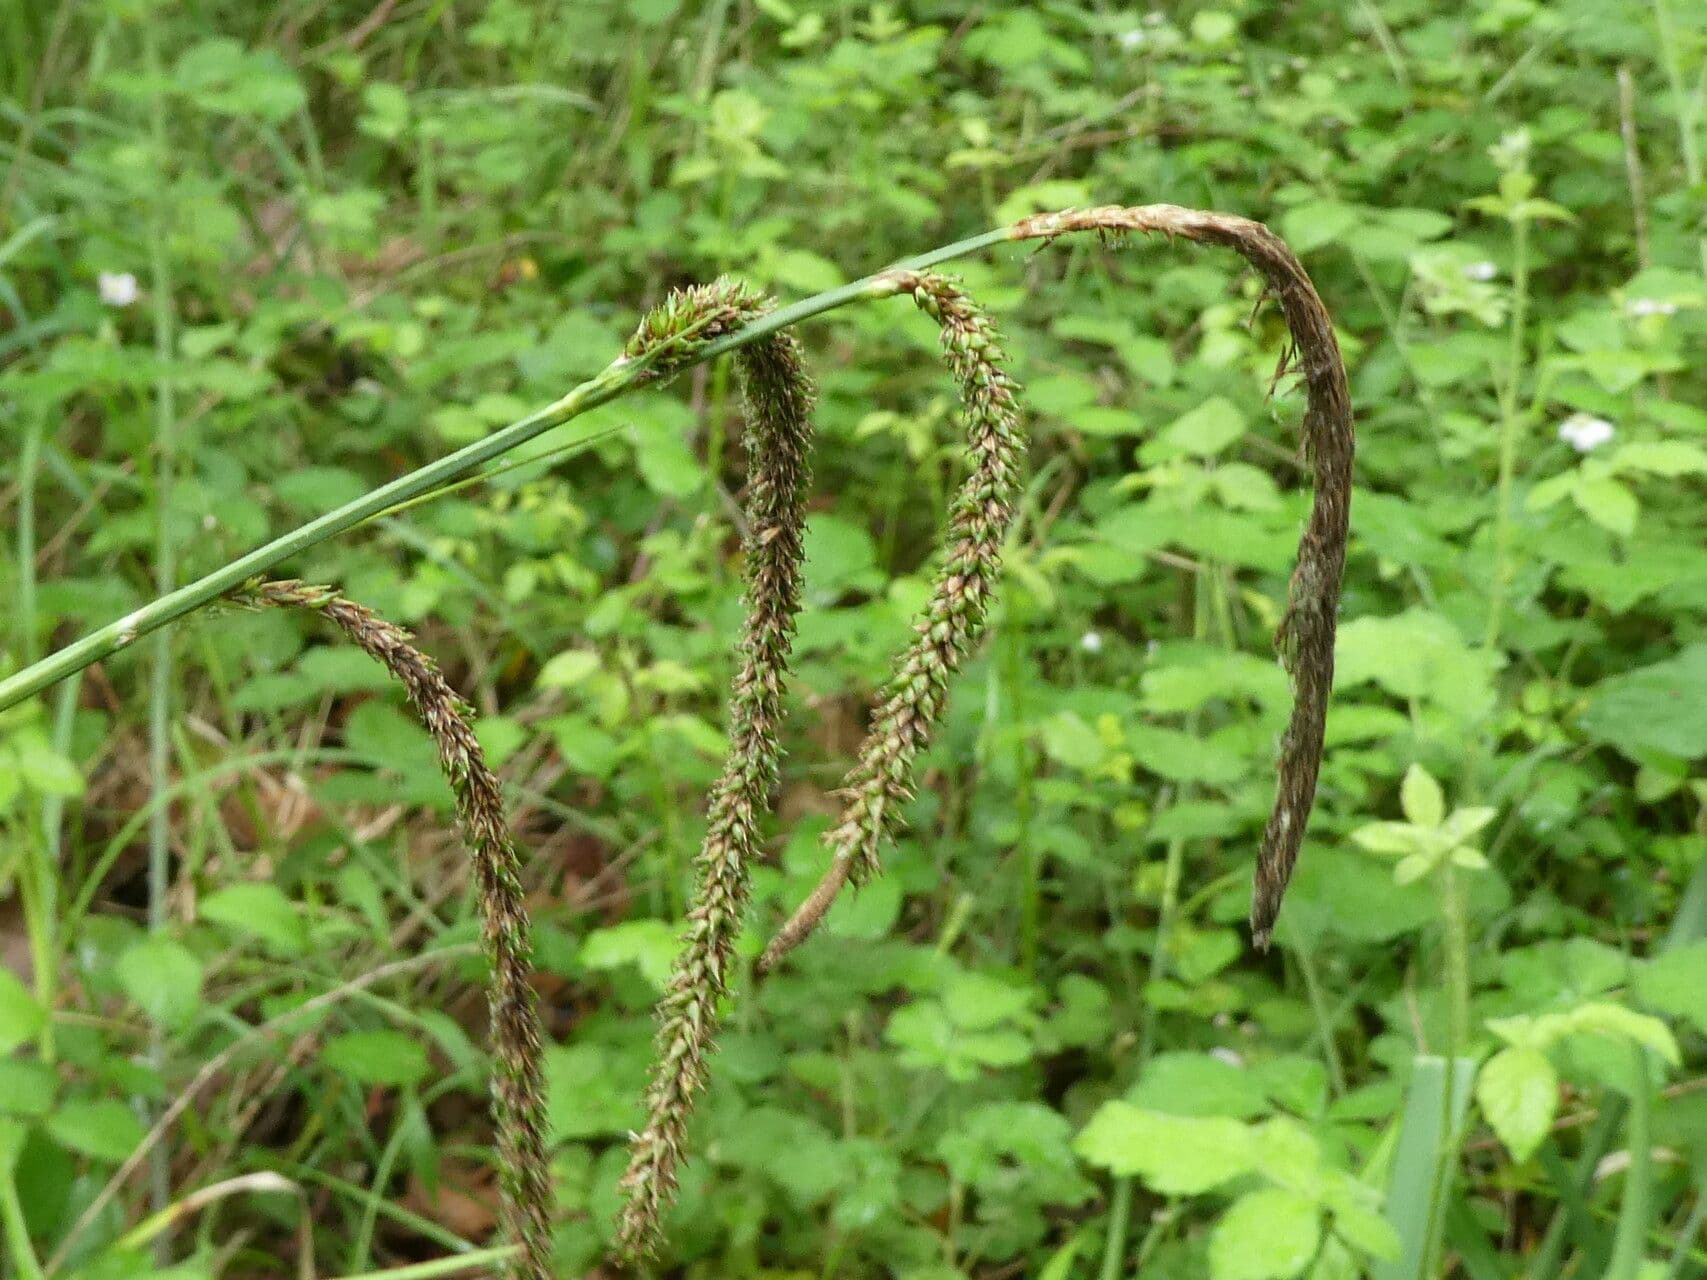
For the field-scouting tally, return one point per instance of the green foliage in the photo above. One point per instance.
(388, 238)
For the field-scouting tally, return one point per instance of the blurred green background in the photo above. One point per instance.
(255, 260)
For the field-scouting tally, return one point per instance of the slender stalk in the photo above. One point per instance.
(29, 467)
(1120, 1209)
(37, 883)
(1510, 426)
(1306, 956)
(165, 574)
(1119, 1224)
(39, 887)
(1634, 179)
(1635, 1213)
(119, 635)
(16, 1229)
(1687, 112)
(1455, 940)
(1030, 853)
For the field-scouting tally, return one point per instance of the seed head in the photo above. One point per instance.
(881, 782)
(778, 399)
(518, 1096)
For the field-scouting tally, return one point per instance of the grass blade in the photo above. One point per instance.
(1636, 1214)
(1423, 1166)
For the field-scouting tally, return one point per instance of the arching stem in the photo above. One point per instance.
(1306, 634)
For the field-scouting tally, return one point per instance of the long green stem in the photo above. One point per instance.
(1456, 942)
(1635, 1213)
(28, 468)
(1031, 855)
(165, 573)
(36, 884)
(121, 634)
(1119, 1223)
(1688, 112)
(1304, 951)
(15, 1229)
(1510, 423)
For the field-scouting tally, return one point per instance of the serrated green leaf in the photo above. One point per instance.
(1268, 1234)
(1173, 1155)
(1518, 1091)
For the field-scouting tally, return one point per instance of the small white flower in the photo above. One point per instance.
(1091, 642)
(1155, 18)
(1224, 1054)
(1512, 150)
(1650, 307)
(1584, 431)
(1480, 271)
(118, 288)
(1131, 39)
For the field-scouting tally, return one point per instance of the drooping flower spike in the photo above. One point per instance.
(778, 398)
(518, 1094)
(1305, 637)
(878, 788)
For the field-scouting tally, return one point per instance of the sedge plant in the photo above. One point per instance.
(692, 327)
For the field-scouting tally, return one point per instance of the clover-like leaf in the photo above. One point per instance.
(1461, 824)
(1421, 798)
(1413, 868)
(1393, 838)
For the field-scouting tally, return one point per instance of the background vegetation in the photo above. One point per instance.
(258, 258)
